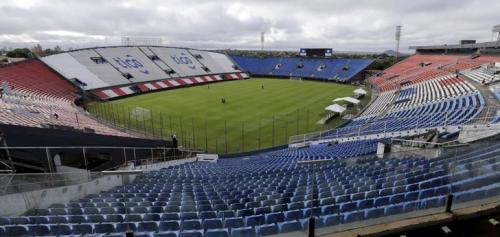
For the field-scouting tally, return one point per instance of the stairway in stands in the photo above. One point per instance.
(491, 103)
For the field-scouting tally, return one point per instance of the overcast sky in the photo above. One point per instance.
(354, 25)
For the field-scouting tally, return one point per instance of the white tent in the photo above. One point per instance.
(347, 99)
(335, 108)
(360, 92)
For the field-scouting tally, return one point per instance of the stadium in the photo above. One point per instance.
(150, 140)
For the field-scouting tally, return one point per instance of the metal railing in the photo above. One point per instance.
(390, 124)
(77, 164)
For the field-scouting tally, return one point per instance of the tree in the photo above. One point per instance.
(38, 50)
(20, 53)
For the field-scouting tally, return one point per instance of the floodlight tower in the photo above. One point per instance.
(262, 41)
(398, 38)
(496, 31)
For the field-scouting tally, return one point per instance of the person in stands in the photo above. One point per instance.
(174, 140)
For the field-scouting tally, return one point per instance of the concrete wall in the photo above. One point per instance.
(19, 203)
(159, 165)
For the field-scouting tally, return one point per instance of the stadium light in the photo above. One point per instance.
(398, 38)
(262, 40)
(496, 30)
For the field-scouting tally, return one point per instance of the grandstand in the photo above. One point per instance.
(340, 70)
(113, 72)
(426, 143)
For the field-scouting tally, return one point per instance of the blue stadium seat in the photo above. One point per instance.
(330, 209)
(217, 233)
(132, 218)
(394, 209)
(170, 216)
(57, 219)
(374, 213)
(60, 229)
(38, 230)
(191, 225)
(166, 234)
(353, 216)
(19, 220)
(81, 229)
(169, 225)
(150, 226)
(189, 215)
(331, 220)
(289, 226)
(233, 222)
(36, 220)
(76, 219)
(151, 217)
(191, 233)
(16, 230)
(215, 223)
(274, 217)
(208, 215)
(255, 220)
(267, 229)
(104, 228)
(4, 221)
(95, 219)
(243, 232)
(125, 226)
(293, 215)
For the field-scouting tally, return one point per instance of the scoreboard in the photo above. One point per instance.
(316, 52)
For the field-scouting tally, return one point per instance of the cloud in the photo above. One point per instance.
(363, 25)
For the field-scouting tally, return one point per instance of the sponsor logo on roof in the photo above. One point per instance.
(130, 62)
(183, 59)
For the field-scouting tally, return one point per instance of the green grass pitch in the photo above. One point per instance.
(258, 113)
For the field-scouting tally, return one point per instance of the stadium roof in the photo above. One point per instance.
(347, 99)
(335, 108)
(360, 92)
(492, 44)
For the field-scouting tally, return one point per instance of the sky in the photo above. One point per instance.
(344, 25)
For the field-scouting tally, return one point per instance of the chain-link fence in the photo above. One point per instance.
(215, 135)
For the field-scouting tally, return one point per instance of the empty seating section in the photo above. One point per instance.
(329, 151)
(495, 89)
(180, 60)
(25, 108)
(410, 67)
(419, 68)
(70, 68)
(455, 111)
(482, 75)
(34, 77)
(426, 84)
(323, 69)
(268, 194)
(380, 104)
(106, 67)
(441, 88)
(216, 62)
(132, 61)
(258, 66)
(97, 66)
(35, 96)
